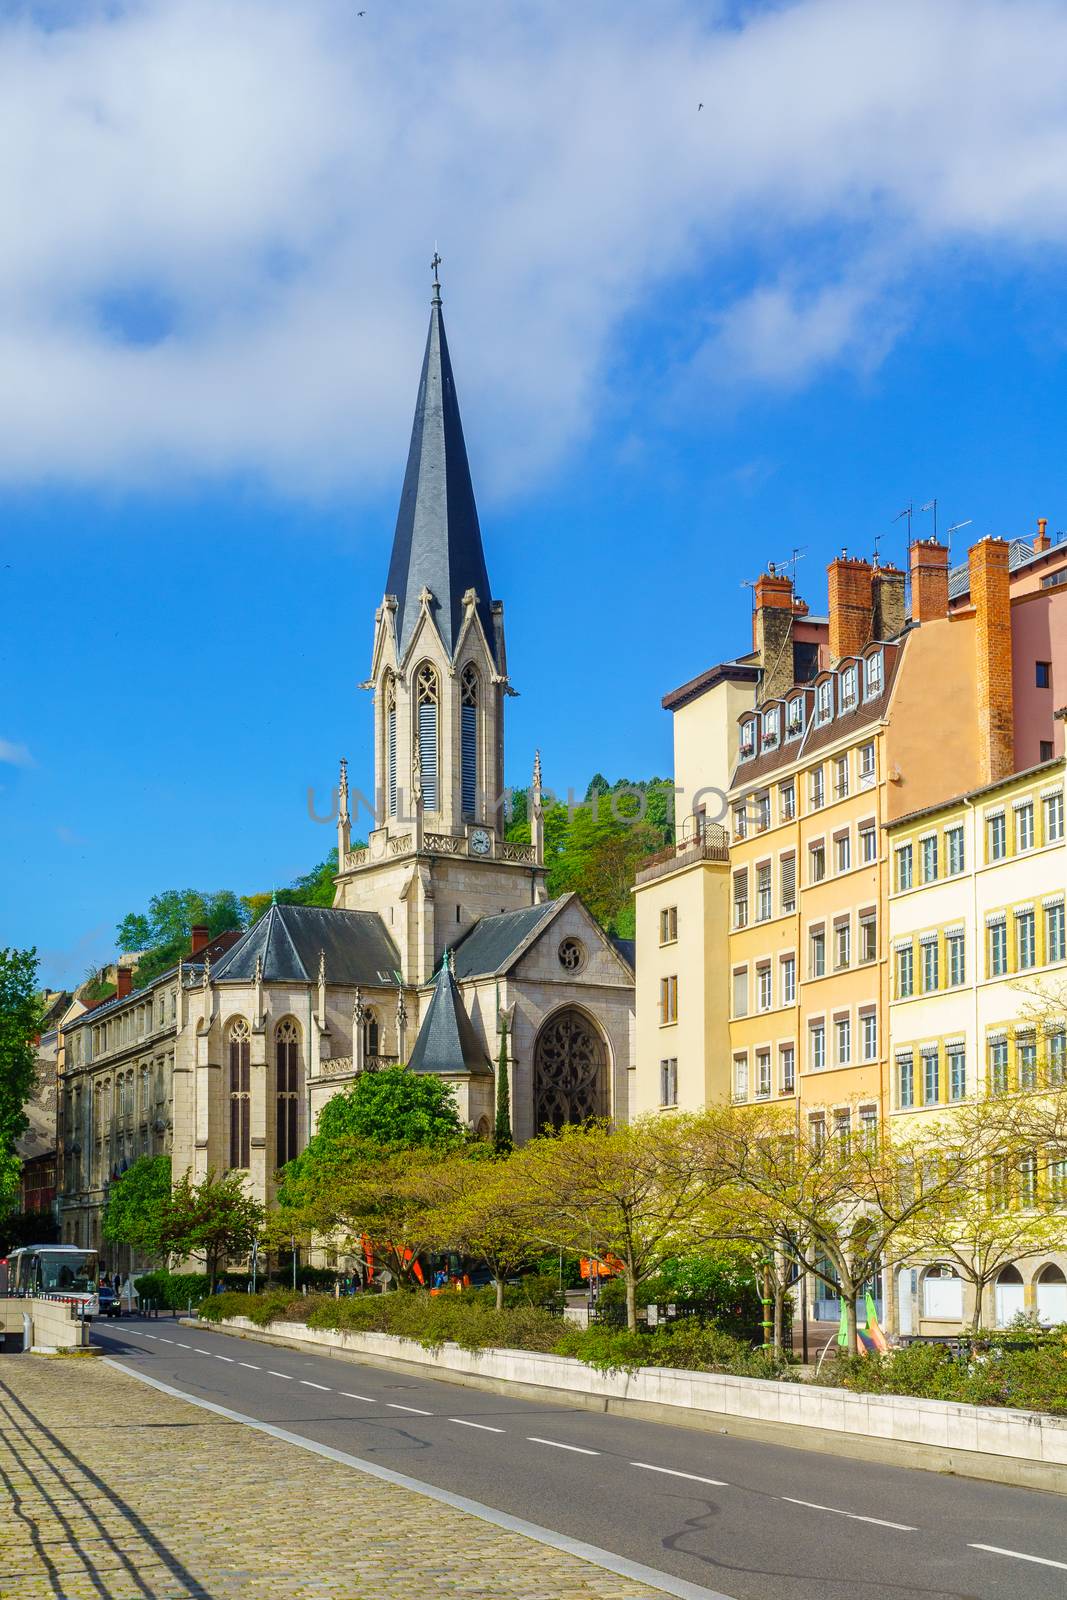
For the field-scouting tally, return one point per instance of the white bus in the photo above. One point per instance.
(54, 1271)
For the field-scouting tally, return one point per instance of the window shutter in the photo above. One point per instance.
(741, 886)
(789, 881)
(740, 994)
(470, 758)
(428, 755)
(392, 761)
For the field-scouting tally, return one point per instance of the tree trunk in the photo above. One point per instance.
(631, 1302)
(850, 1323)
(779, 1306)
(499, 1293)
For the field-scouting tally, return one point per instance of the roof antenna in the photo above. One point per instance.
(931, 505)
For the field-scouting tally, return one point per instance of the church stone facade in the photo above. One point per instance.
(441, 930)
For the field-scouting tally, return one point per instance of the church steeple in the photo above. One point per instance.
(437, 545)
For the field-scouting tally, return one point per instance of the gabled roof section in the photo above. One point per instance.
(447, 1042)
(438, 543)
(289, 939)
(494, 943)
(725, 672)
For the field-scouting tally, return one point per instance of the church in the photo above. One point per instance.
(441, 935)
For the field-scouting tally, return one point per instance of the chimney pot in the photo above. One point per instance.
(125, 982)
(772, 632)
(1042, 540)
(199, 936)
(851, 594)
(991, 598)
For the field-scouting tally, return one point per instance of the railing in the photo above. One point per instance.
(712, 846)
(525, 854)
(356, 858)
(443, 844)
(400, 845)
(344, 1066)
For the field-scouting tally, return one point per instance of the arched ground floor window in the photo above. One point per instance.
(570, 1071)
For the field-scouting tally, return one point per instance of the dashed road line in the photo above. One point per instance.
(222, 1358)
(672, 1472)
(286, 1375)
(182, 1345)
(309, 1385)
(250, 1365)
(366, 1398)
(578, 1449)
(1020, 1555)
(484, 1426)
(200, 1352)
(418, 1411)
(901, 1527)
(165, 1341)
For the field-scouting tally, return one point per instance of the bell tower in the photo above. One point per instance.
(439, 679)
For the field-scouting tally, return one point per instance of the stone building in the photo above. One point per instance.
(441, 929)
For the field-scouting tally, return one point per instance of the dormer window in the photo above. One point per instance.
(872, 670)
(824, 703)
(748, 740)
(794, 718)
(849, 689)
(771, 727)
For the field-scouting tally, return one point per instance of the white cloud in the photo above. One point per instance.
(221, 210)
(15, 755)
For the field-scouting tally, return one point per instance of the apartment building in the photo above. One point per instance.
(978, 994)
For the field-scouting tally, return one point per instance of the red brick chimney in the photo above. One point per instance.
(929, 580)
(850, 583)
(990, 596)
(125, 982)
(199, 936)
(1041, 538)
(772, 633)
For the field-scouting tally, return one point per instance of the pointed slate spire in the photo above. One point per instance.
(447, 1041)
(438, 543)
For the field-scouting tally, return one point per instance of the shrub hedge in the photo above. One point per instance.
(1034, 1379)
(472, 1321)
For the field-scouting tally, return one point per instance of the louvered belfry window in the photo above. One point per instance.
(469, 724)
(240, 1094)
(427, 703)
(390, 745)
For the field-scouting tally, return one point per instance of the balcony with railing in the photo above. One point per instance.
(711, 844)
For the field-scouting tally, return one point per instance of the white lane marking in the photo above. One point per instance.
(165, 1341)
(309, 1385)
(1020, 1555)
(201, 1352)
(148, 1336)
(286, 1375)
(483, 1425)
(555, 1443)
(182, 1345)
(663, 1582)
(673, 1473)
(366, 1398)
(250, 1365)
(222, 1358)
(419, 1412)
(901, 1527)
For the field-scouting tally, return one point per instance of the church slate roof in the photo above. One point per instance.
(438, 543)
(447, 1041)
(492, 943)
(289, 939)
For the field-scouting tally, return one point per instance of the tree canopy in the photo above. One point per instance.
(393, 1107)
(20, 1021)
(137, 1206)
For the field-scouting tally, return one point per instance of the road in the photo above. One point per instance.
(749, 1520)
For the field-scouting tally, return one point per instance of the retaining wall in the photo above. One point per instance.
(1007, 1446)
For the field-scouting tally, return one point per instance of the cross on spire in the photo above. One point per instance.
(434, 264)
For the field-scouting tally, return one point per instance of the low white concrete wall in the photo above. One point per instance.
(54, 1327)
(1025, 1436)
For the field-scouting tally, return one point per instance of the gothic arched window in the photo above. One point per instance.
(570, 1072)
(390, 744)
(371, 1035)
(287, 1089)
(240, 1094)
(469, 738)
(426, 695)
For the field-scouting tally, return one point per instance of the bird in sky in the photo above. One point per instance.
(700, 107)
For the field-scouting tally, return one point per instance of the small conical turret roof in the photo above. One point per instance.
(447, 1041)
(438, 542)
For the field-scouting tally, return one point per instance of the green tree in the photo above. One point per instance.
(394, 1108)
(314, 888)
(20, 1021)
(502, 1139)
(138, 1206)
(629, 1197)
(163, 931)
(472, 1205)
(214, 1218)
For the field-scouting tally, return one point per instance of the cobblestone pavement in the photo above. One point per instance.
(110, 1490)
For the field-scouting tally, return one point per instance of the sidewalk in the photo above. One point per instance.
(118, 1492)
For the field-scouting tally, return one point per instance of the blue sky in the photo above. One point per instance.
(684, 342)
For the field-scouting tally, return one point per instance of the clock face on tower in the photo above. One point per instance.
(480, 842)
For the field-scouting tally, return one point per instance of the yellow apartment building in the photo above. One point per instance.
(979, 967)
